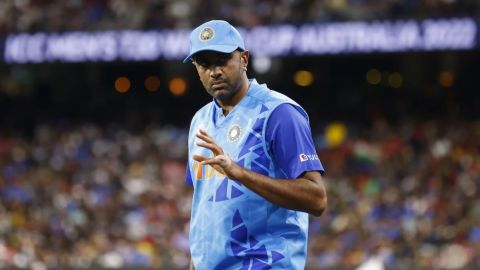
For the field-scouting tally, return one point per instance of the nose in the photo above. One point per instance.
(215, 71)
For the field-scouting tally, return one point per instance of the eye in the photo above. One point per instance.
(201, 64)
(223, 59)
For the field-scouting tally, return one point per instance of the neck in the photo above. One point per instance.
(227, 105)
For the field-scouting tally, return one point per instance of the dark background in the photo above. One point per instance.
(340, 91)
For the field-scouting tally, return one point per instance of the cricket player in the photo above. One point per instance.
(252, 164)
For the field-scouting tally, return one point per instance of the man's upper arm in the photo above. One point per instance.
(291, 145)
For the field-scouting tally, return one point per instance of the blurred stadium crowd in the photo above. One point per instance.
(63, 15)
(86, 195)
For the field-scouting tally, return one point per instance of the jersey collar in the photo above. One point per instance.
(218, 116)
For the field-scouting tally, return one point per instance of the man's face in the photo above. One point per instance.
(221, 73)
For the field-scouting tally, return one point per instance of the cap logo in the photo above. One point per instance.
(207, 34)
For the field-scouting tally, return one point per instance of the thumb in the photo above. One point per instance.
(199, 158)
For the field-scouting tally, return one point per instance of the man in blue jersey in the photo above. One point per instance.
(252, 164)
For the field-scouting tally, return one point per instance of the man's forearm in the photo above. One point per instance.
(306, 193)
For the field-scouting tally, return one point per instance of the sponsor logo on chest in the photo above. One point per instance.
(206, 172)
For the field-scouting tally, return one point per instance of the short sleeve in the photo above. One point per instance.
(290, 139)
(188, 176)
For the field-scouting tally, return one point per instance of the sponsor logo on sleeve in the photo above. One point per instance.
(304, 157)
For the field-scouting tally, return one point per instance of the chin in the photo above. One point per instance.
(219, 93)
(222, 97)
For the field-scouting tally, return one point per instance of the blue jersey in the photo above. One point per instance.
(232, 227)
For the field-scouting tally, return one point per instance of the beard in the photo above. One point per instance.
(222, 90)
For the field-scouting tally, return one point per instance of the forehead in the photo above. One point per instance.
(209, 56)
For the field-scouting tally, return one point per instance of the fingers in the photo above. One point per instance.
(204, 138)
(215, 163)
(208, 142)
(211, 146)
(220, 163)
(211, 161)
(203, 135)
(222, 160)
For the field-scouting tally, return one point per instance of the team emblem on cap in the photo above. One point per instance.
(234, 133)
(207, 34)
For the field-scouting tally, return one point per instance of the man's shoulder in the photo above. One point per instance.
(278, 103)
(267, 95)
(272, 100)
(202, 112)
(203, 109)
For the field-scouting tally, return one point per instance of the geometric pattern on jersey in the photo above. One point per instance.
(228, 189)
(252, 155)
(245, 246)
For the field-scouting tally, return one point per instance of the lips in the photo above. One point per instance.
(218, 84)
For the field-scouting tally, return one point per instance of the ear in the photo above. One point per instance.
(196, 65)
(244, 58)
